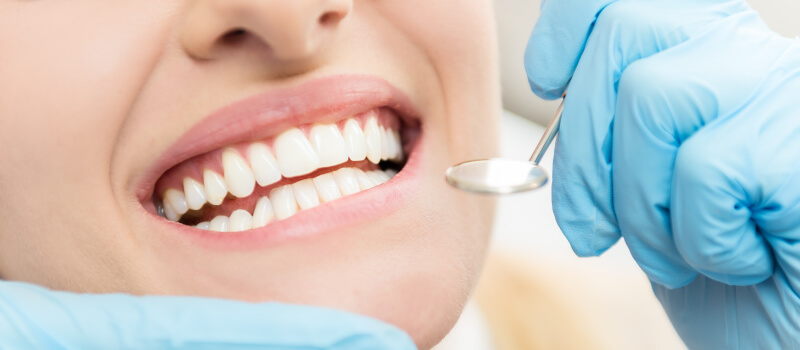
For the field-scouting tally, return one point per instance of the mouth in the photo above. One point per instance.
(276, 161)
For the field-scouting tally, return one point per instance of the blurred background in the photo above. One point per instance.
(534, 293)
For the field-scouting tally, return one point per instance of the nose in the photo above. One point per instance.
(284, 30)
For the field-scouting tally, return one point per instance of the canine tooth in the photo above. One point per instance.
(283, 203)
(372, 134)
(240, 221)
(395, 144)
(176, 201)
(327, 188)
(169, 213)
(219, 224)
(238, 176)
(329, 144)
(203, 225)
(364, 181)
(386, 148)
(305, 194)
(216, 190)
(355, 140)
(264, 165)
(263, 213)
(195, 193)
(347, 181)
(295, 154)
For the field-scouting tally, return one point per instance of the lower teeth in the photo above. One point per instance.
(285, 201)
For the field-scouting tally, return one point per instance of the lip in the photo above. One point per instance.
(261, 116)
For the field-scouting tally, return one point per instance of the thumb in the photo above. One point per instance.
(557, 43)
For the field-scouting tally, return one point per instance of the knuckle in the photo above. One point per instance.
(626, 16)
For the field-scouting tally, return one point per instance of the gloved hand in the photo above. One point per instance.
(32, 317)
(681, 133)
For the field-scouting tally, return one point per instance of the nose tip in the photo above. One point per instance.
(284, 30)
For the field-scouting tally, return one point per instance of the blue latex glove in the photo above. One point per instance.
(681, 133)
(32, 317)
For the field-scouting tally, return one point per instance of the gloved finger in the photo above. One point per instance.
(625, 32)
(734, 191)
(662, 101)
(33, 317)
(557, 42)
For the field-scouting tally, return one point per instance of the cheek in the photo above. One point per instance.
(65, 93)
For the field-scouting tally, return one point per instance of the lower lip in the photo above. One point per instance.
(374, 203)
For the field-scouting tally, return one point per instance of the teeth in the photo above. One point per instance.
(347, 181)
(378, 176)
(329, 145)
(305, 194)
(195, 193)
(386, 148)
(238, 175)
(264, 165)
(219, 224)
(372, 134)
(364, 181)
(283, 203)
(263, 213)
(327, 188)
(175, 201)
(355, 140)
(203, 225)
(396, 145)
(216, 190)
(295, 154)
(240, 221)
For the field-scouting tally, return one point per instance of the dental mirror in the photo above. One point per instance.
(506, 176)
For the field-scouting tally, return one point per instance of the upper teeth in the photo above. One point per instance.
(292, 154)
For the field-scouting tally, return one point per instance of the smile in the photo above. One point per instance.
(247, 170)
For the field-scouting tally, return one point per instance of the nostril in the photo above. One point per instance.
(234, 36)
(330, 19)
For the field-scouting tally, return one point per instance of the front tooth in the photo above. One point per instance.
(305, 194)
(364, 181)
(355, 140)
(347, 181)
(216, 190)
(203, 225)
(329, 145)
(176, 201)
(283, 202)
(264, 165)
(195, 193)
(219, 224)
(238, 176)
(327, 188)
(295, 154)
(263, 213)
(386, 148)
(240, 221)
(372, 134)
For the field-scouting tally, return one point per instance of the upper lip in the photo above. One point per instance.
(261, 116)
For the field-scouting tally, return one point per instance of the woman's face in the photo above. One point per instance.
(113, 112)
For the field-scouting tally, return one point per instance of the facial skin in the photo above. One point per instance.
(93, 92)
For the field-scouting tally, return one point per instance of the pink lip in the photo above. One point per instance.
(261, 116)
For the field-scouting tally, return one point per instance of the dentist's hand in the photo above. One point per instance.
(32, 317)
(681, 134)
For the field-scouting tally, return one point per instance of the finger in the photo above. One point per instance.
(625, 32)
(33, 317)
(557, 43)
(735, 192)
(663, 101)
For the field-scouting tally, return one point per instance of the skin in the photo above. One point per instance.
(92, 92)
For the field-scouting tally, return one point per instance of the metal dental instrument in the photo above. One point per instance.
(505, 176)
